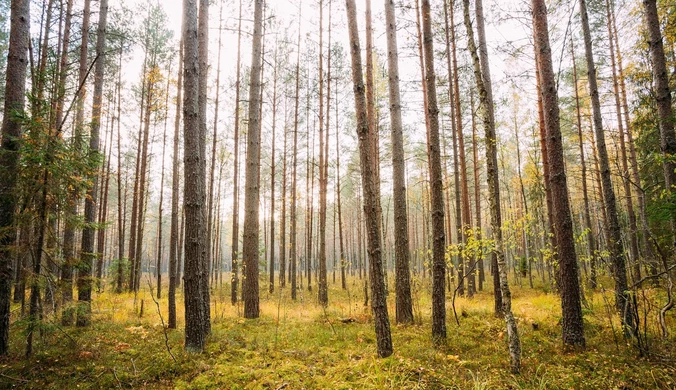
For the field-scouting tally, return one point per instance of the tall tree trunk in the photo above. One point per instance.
(645, 246)
(378, 300)
(272, 179)
(477, 194)
(121, 202)
(70, 259)
(615, 246)
(591, 240)
(214, 143)
(404, 306)
(483, 81)
(293, 247)
(203, 72)
(322, 285)
(662, 97)
(282, 229)
(251, 197)
(87, 253)
(436, 184)
(158, 266)
(235, 179)
(573, 333)
(15, 90)
(174, 241)
(194, 196)
(626, 180)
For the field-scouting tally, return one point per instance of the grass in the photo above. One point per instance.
(297, 345)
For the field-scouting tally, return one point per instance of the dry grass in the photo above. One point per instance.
(298, 345)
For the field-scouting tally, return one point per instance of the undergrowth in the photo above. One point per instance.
(297, 345)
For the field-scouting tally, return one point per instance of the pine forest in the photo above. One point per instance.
(337, 194)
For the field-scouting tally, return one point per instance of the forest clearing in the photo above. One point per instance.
(297, 345)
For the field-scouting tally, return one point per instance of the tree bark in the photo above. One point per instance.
(573, 333)
(87, 254)
(250, 253)
(662, 97)
(436, 185)
(615, 246)
(234, 286)
(194, 196)
(15, 91)
(404, 306)
(591, 240)
(378, 300)
(174, 242)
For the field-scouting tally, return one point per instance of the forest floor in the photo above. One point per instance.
(296, 345)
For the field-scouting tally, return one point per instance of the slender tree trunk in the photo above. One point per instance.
(235, 179)
(322, 285)
(293, 261)
(647, 248)
(477, 195)
(174, 239)
(121, 202)
(436, 185)
(214, 146)
(573, 333)
(272, 180)
(483, 81)
(404, 306)
(251, 198)
(591, 241)
(158, 266)
(70, 259)
(633, 231)
(615, 246)
(87, 253)
(378, 300)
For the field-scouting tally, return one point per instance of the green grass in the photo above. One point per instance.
(296, 345)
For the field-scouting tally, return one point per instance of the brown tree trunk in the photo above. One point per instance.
(203, 72)
(194, 196)
(477, 195)
(293, 247)
(404, 306)
(573, 333)
(121, 202)
(70, 259)
(235, 179)
(633, 231)
(15, 90)
(662, 96)
(272, 180)
(158, 265)
(252, 191)
(615, 247)
(436, 185)
(645, 246)
(174, 241)
(591, 240)
(378, 300)
(322, 286)
(87, 254)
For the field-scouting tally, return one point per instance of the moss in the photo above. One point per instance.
(298, 345)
